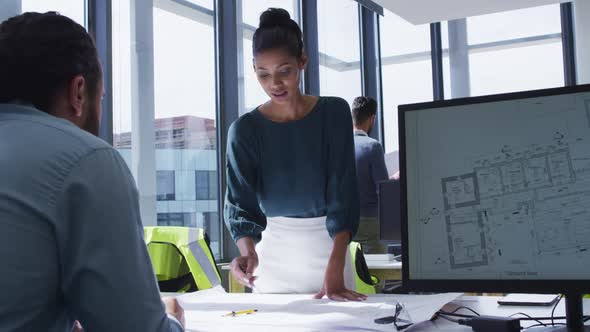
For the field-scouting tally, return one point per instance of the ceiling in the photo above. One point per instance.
(428, 11)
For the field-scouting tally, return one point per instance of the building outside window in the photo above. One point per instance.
(206, 185)
(185, 121)
(177, 219)
(165, 189)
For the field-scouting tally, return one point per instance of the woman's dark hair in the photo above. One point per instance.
(277, 30)
(40, 54)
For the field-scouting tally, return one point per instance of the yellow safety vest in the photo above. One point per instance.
(364, 282)
(182, 258)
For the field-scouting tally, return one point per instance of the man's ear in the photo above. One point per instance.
(77, 94)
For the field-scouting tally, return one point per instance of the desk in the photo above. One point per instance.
(487, 305)
(299, 313)
(206, 311)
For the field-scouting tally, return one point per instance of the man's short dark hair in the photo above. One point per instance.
(40, 54)
(363, 108)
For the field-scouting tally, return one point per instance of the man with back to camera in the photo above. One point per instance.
(371, 169)
(71, 239)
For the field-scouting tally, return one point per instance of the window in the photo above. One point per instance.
(184, 124)
(165, 186)
(338, 39)
(254, 95)
(121, 85)
(177, 219)
(74, 9)
(406, 74)
(210, 220)
(206, 185)
(509, 51)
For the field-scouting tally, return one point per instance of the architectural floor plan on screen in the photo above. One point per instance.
(536, 195)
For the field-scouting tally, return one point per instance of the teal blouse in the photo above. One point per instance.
(301, 169)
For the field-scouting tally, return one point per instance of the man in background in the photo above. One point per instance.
(71, 238)
(371, 169)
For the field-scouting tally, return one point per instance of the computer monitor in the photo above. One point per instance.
(389, 212)
(496, 194)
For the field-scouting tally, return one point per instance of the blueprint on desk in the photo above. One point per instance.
(206, 310)
(500, 190)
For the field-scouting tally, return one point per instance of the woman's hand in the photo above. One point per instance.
(333, 286)
(77, 327)
(243, 267)
(173, 308)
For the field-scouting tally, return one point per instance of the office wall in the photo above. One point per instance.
(582, 32)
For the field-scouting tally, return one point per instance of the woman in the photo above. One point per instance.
(290, 176)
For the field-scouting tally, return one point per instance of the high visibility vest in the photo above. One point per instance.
(181, 258)
(363, 280)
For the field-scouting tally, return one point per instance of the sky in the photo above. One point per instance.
(184, 57)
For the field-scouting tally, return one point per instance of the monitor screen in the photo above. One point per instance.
(389, 212)
(497, 187)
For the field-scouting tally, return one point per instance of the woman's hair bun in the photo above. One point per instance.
(277, 31)
(273, 17)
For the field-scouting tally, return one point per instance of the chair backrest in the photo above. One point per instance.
(364, 282)
(182, 258)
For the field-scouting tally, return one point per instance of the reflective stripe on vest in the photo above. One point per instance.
(206, 263)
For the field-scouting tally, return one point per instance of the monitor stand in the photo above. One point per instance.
(574, 315)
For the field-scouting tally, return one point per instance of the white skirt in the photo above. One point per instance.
(293, 256)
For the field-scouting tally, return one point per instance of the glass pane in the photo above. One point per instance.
(398, 37)
(340, 73)
(203, 3)
(406, 74)
(165, 190)
(251, 9)
(254, 95)
(514, 24)
(213, 185)
(184, 69)
(121, 65)
(526, 52)
(516, 69)
(185, 112)
(74, 9)
(202, 185)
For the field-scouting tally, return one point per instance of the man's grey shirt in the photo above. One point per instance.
(71, 238)
(370, 169)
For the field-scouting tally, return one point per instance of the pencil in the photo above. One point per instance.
(240, 312)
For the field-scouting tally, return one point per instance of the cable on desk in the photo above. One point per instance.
(531, 318)
(463, 319)
(466, 308)
(537, 325)
(555, 306)
(443, 316)
(453, 313)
